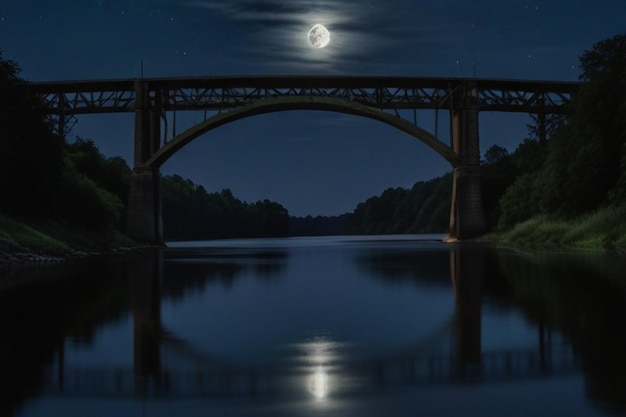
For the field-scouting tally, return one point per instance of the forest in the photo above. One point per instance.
(72, 193)
(556, 192)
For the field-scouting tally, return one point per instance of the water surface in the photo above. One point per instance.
(362, 326)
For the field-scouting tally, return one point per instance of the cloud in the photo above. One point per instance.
(403, 37)
(367, 36)
(276, 31)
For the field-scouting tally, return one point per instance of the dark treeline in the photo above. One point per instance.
(319, 225)
(583, 166)
(190, 212)
(45, 181)
(425, 208)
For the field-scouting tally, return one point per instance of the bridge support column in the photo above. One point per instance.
(467, 219)
(144, 220)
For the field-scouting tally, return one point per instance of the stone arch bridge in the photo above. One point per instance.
(228, 99)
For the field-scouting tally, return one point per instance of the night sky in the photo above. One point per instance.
(310, 162)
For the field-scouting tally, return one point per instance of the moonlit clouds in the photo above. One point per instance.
(277, 31)
(412, 37)
(487, 38)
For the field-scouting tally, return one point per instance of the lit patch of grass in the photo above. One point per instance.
(601, 230)
(48, 237)
(540, 232)
(19, 235)
(606, 227)
(85, 240)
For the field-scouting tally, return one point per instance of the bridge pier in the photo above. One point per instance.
(144, 218)
(467, 219)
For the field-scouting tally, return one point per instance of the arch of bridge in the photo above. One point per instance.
(278, 104)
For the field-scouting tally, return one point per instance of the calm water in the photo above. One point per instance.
(337, 326)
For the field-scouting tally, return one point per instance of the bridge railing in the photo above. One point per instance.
(219, 93)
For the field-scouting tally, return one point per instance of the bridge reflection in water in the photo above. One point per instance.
(319, 367)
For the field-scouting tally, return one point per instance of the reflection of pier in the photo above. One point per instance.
(211, 378)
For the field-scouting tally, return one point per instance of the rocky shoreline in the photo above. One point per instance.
(21, 258)
(12, 255)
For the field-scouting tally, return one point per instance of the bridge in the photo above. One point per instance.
(227, 99)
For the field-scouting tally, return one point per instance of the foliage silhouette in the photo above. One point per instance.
(46, 182)
(584, 166)
(190, 212)
(31, 156)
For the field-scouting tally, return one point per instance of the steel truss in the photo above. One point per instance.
(385, 93)
(216, 94)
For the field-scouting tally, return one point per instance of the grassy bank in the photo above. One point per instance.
(604, 229)
(49, 238)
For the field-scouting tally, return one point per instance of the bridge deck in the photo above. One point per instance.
(218, 93)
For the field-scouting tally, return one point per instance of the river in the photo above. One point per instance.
(341, 326)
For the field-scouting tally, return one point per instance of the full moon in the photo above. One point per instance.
(319, 36)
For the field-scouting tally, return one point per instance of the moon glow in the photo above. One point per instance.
(319, 36)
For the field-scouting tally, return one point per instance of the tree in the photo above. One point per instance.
(81, 203)
(586, 158)
(495, 154)
(41, 177)
(606, 60)
(497, 173)
(112, 174)
(190, 212)
(272, 219)
(544, 126)
(520, 201)
(425, 208)
(31, 156)
(584, 165)
(529, 156)
(109, 174)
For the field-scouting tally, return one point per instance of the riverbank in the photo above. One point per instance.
(602, 230)
(21, 243)
(48, 241)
